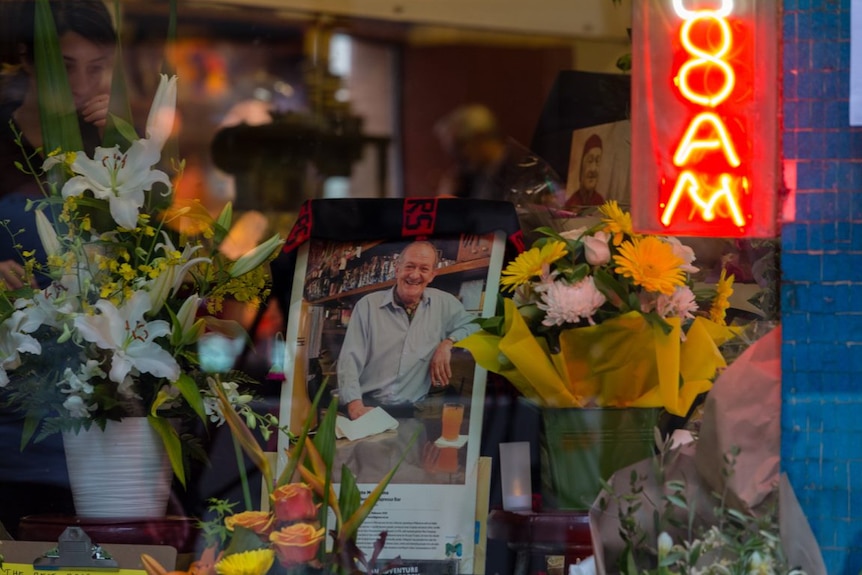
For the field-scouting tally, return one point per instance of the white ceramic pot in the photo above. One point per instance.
(123, 471)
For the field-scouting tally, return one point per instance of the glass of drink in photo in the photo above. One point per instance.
(453, 415)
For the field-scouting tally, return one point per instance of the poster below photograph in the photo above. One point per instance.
(373, 322)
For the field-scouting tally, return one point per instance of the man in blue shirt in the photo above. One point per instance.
(399, 341)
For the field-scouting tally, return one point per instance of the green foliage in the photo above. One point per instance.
(681, 540)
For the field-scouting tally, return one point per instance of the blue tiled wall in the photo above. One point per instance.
(822, 281)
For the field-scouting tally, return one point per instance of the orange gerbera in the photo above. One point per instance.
(650, 263)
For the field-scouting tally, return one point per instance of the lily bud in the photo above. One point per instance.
(186, 317)
(47, 234)
(256, 257)
(160, 121)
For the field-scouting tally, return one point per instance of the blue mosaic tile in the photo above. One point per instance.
(825, 55)
(800, 266)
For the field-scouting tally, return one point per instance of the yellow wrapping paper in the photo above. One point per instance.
(622, 362)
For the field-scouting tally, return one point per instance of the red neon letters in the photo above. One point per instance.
(706, 154)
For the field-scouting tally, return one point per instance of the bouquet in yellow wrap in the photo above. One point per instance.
(605, 317)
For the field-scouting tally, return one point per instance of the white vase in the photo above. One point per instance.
(123, 471)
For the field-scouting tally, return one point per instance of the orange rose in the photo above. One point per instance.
(294, 502)
(296, 544)
(258, 521)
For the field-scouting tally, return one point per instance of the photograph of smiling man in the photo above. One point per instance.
(375, 315)
(399, 340)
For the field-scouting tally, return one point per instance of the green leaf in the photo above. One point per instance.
(244, 539)
(578, 273)
(122, 132)
(294, 458)
(31, 425)
(611, 288)
(172, 443)
(223, 222)
(349, 497)
(655, 319)
(190, 392)
(56, 105)
(324, 441)
(493, 325)
(119, 130)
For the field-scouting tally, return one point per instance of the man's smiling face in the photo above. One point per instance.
(415, 269)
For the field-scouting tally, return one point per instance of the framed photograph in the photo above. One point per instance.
(372, 321)
(599, 164)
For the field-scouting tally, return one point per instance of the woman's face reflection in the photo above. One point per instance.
(88, 66)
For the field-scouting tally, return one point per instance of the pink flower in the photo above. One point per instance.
(564, 303)
(679, 304)
(296, 544)
(294, 502)
(596, 248)
(683, 252)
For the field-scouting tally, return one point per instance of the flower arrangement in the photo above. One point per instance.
(604, 316)
(290, 536)
(681, 536)
(127, 294)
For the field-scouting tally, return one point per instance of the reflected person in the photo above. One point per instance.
(399, 340)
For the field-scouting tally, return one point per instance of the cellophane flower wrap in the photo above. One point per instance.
(605, 317)
(133, 281)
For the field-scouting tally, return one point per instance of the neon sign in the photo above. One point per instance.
(703, 118)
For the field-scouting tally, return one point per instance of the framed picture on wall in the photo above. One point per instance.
(372, 320)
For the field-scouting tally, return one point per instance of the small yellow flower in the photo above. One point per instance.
(531, 263)
(723, 291)
(127, 272)
(650, 263)
(254, 562)
(617, 222)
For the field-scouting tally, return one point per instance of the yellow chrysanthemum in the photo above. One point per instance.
(617, 222)
(723, 291)
(531, 263)
(650, 263)
(255, 562)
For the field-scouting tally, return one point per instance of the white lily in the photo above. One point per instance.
(119, 177)
(160, 121)
(14, 342)
(124, 331)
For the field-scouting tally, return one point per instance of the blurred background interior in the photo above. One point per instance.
(279, 104)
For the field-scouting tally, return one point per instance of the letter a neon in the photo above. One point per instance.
(718, 140)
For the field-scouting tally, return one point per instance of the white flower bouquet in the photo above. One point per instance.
(129, 292)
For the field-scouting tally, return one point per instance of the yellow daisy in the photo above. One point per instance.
(255, 562)
(617, 222)
(531, 263)
(723, 291)
(650, 263)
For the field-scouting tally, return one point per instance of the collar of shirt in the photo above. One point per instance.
(392, 300)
